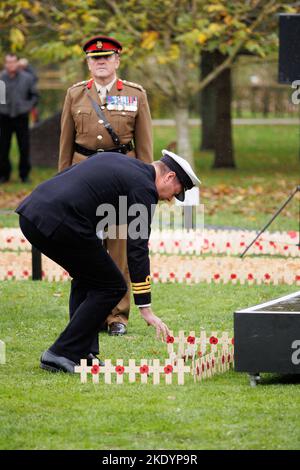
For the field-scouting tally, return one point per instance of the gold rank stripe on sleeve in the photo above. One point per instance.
(145, 291)
(137, 285)
(142, 287)
(139, 289)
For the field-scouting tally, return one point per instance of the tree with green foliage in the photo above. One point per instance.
(164, 37)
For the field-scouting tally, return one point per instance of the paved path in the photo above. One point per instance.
(236, 122)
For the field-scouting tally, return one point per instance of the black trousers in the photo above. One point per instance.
(19, 125)
(97, 286)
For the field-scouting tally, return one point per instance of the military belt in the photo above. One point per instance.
(123, 148)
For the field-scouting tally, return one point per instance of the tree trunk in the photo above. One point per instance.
(224, 154)
(184, 148)
(207, 103)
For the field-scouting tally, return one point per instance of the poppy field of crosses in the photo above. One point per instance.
(182, 256)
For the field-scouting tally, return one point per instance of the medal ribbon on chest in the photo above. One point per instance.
(122, 103)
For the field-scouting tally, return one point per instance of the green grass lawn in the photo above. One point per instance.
(268, 169)
(40, 410)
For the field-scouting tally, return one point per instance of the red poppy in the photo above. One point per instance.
(23, 240)
(292, 234)
(168, 369)
(170, 339)
(25, 273)
(9, 240)
(10, 273)
(119, 370)
(172, 275)
(250, 277)
(216, 276)
(285, 247)
(233, 276)
(161, 244)
(155, 274)
(242, 244)
(213, 340)
(188, 275)
(191, 339)
(297, 277)
(228, 245)
(176, 243)
(95, 369)
(144, 369)
(267, 276)
(232, 341)
(257, 243)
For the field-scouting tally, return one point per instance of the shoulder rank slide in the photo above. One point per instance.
(134, 85)
(84, 82)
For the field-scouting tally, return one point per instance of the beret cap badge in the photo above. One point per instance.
(99, 44)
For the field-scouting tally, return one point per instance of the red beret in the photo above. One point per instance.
(101, 45)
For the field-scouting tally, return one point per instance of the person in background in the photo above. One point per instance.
(107, 114)
(26, 67)
(20, 97)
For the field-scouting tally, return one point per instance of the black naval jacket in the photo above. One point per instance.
(73, 196)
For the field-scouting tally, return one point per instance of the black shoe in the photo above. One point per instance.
(103, 327)
(4, 179)
(117, 329)
(54, 363)
(26, 179)
(90, 358)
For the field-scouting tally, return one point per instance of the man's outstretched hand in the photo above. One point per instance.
(162, 331)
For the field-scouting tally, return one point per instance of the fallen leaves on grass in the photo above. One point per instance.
(265, 199)
(10, 200)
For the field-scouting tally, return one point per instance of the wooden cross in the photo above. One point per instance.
(2, 352)
(181, 369)
(83, 370)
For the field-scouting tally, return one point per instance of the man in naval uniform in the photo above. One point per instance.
(112, 115)
(60, 218)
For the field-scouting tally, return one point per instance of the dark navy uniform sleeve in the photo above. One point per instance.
(141, 206)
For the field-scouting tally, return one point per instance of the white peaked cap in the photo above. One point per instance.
(183, 170)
